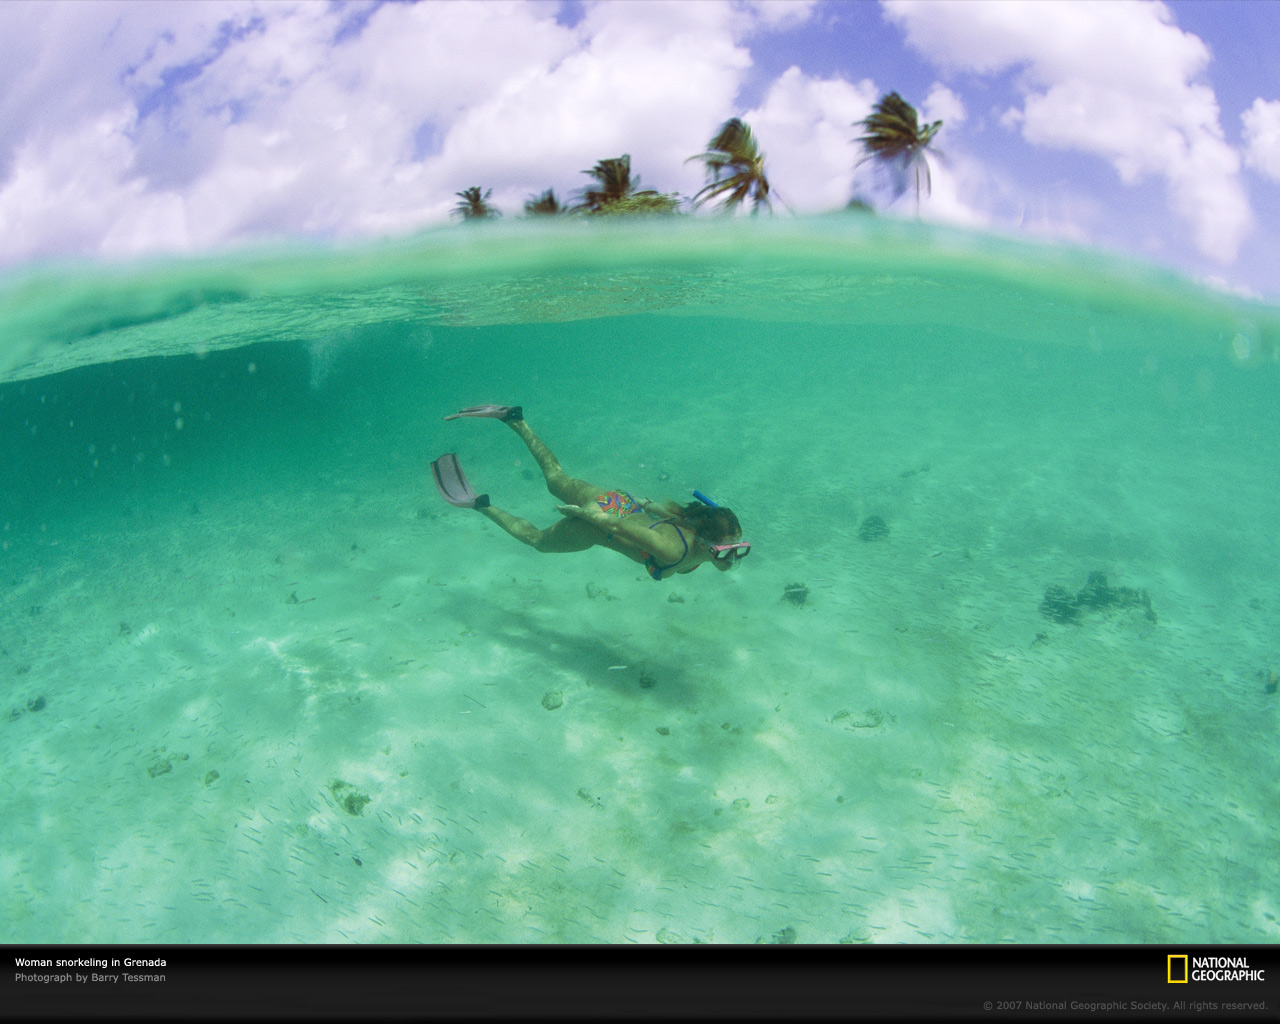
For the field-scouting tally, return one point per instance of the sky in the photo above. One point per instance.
(131, 128)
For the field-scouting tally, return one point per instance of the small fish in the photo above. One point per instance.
(617, 668)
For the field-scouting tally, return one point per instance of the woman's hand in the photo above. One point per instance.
(573, 511)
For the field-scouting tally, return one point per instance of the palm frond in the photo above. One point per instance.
(733, 151)
(736, 139)
(614, 179)
(892, 134)
(474, 205)
(716, 189)
(545, 205)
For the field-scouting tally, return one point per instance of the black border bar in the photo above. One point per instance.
(939, 983)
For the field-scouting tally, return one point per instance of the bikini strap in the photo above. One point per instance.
(656, 570)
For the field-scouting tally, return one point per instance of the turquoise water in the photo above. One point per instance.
(262, 684)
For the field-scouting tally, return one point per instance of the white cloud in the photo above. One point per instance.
(319, 138)
(953, 174)
(1119, 80)
(1262, 137)
(637, 65)
(778, 15)
(127, 127)
(60, 192)
(952, 179)
(806, 128)
(943, 105)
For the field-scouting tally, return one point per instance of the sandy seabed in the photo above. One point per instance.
(307, 701)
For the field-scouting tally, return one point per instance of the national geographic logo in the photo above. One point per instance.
(1184, 968)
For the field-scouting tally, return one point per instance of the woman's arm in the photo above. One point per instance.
(660, 543)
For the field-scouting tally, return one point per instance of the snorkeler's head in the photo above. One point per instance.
(715, 525)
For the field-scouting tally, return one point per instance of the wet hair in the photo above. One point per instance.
(716, 525)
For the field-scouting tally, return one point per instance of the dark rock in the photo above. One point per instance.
(38, 704)
(871, 718)
(349, 798)
(1059, 605)
(795, 593)
(1095, 596)
(1095, 593)
(873, 528)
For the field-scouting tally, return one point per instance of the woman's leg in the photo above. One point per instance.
(566, 535)
(569, 490)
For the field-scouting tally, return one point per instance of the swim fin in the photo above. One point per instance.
(453, 485)
(506, 413)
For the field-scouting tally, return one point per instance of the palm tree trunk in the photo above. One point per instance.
(773, 194)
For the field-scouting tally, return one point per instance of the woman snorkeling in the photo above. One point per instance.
(664, 537)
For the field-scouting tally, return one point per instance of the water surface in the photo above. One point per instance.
(262, 684)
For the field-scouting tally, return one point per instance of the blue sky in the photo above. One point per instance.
(129, 128)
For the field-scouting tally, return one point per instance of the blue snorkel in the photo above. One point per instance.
(705, 500)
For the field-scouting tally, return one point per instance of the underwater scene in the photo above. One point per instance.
(1001, 667)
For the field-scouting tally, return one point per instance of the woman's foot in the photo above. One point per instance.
(506, 413)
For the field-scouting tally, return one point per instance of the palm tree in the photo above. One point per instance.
(733, 152)
(641, 204)
(895, 138)
(545, 205)
(472, 205)
(614, 179)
